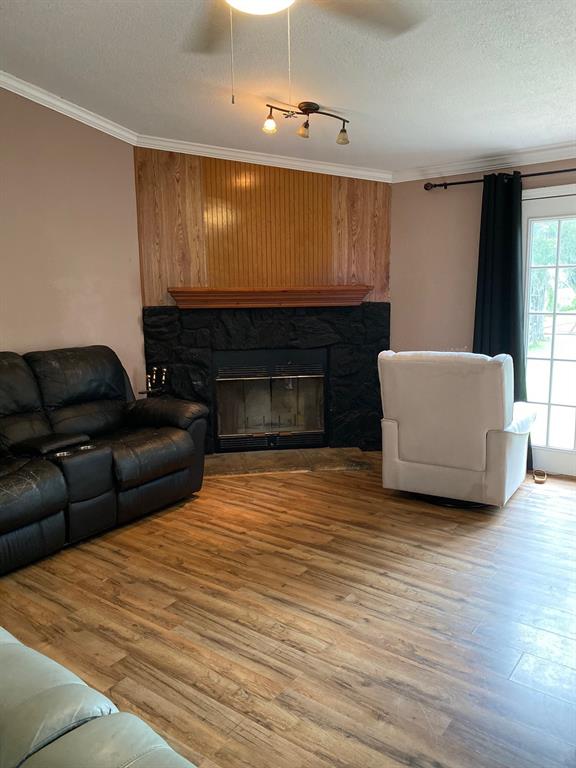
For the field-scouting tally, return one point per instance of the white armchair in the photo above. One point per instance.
(451, 427)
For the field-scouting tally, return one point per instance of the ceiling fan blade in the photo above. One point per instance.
(209, 26)
(375, 14)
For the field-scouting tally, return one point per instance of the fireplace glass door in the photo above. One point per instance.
(273, 409)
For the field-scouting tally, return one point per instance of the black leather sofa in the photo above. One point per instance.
(79, 455)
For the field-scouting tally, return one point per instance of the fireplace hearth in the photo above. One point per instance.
(193, 345)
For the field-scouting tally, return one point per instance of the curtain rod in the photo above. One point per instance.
(444, 185)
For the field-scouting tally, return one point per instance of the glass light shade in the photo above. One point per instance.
(260, 7)
(270, 125)
(304, 130)
(342, 137)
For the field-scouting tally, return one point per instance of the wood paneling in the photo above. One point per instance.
(318, 296)
(315, 620)
(219, 223)
(266, 227)
(361, 238)
(170, 222)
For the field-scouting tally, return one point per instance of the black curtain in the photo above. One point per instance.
(499, 318)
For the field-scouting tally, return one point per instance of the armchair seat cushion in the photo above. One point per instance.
(142, 455)
(29, 491)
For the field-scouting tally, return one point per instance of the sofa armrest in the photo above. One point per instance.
(41, 446)
(165, 412)
(523, 417)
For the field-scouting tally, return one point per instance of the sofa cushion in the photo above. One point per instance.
(95, 418)
(39, 701)
(142, 455)
(77, 375)
(26, 544)
(21, 413)
(30, 490)
(117, 741)
(83, 388)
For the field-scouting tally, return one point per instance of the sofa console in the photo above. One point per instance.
(78, 455)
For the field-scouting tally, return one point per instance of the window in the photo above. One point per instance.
(550, 252)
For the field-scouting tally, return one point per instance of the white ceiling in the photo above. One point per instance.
(474, 79)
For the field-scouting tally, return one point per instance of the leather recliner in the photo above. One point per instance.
(143, 455)
(50, 718)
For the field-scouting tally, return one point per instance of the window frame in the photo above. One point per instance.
(561, 460)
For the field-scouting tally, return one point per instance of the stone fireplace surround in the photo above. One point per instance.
(184, 340)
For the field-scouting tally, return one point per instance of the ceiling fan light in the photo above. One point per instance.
(260, 7)
(304, 130)
(270, 126)
(342, 137)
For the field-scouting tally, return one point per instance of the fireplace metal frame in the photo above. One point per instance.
(271, 364)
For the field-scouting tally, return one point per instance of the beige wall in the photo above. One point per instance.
(434, 258)
(69, 271)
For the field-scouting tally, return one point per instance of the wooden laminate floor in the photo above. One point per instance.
(313, 620)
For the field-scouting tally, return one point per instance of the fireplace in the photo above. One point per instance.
(270, 399)
(196, 345)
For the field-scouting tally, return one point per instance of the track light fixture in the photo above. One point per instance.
(270, 124)
(305, 108)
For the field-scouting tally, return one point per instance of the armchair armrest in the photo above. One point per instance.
(523, 417)
(165, 412)
(41, 446)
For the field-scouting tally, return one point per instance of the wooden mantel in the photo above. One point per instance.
(310, 296)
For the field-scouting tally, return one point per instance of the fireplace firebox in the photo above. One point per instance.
(270, 399)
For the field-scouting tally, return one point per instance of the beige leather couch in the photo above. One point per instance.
(50, 718)
(451, 427)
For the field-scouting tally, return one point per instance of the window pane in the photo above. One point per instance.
(540, 335)
(567, 253)
(562, 427)
(538, 380)
(563, 383)
(566, 290)
(543, 242)
(538, 431)
(542, 290)
(565, 339)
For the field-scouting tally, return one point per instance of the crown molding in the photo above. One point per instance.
(50, 100)
(524, 157)
(532, 156)
(261, 158)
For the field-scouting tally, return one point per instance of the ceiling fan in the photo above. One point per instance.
(385, 15)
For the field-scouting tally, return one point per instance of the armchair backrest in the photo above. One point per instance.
(445, 403)
(21, 414)
(83, 389)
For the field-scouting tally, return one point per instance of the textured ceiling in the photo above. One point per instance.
(473, 79)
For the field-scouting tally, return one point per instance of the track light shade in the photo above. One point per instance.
(304, 130)
(270, 124)
(342, 137)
